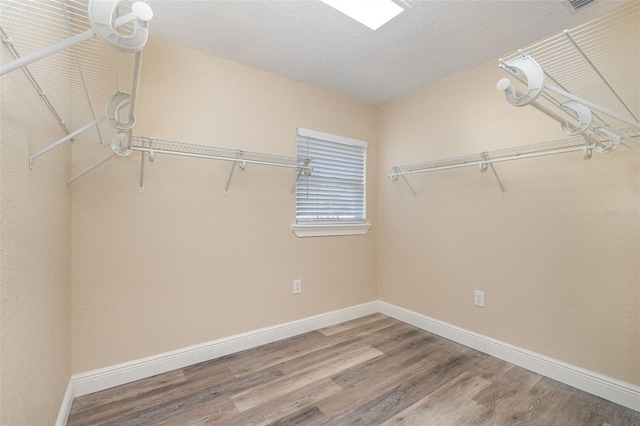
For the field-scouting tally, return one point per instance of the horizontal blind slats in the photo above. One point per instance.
(335, 190)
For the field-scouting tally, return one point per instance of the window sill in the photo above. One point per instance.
(325, 230)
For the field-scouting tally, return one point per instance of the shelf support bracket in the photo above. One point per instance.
(91, 167)
(151, 155)
(394, 178)
(63, 140)
(484, 166)
(305, 169)
(241, 164)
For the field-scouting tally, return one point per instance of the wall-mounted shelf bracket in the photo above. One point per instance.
(485, 165)
(151, 155)
(63, 140)
(304, 170)
(397, 175)
(91, 167)
(241, 164)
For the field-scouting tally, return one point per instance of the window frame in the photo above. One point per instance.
(311, 228)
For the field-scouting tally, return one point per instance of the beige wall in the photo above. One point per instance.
(560, 275)
(182, 264)
(35, 253)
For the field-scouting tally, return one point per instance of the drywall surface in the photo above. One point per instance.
(182, 263)
(557, 257)
(35, 253)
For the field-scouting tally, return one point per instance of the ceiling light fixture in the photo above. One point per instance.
(372, 13)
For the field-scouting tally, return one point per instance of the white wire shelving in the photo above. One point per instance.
(238, 157)
(85, 53)
(485, 160)
(598, 60)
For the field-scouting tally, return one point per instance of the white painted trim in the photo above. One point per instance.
(325, 230)
(614, 390)
(329, 137)
(65, 407)
(115, 375)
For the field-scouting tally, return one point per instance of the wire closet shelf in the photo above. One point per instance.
(239, 157)
(80, 56)
(598, 60)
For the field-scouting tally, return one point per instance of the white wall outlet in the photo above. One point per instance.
(478, 298)
(297, 286)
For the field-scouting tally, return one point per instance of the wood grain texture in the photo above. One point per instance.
(373, 370)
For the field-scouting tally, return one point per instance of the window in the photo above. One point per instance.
(331, 199)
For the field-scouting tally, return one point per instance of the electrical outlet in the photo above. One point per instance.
(478, 298)
(297, 286)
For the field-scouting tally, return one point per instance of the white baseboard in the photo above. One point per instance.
(65, 407)
(605, 387)
(115, 375)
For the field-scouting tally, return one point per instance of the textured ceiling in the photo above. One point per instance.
(307, 41)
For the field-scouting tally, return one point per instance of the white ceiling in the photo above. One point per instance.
(307, 41)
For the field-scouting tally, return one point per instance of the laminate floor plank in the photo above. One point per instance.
(175, 399)
(209, 412)
(309, 416)
(341, 335)
(349, 325)
(279, 353)
(387, 404)
(365, 391)
(286, 404)
(131, 390)
(363, 330)
(589, 410)
(363, 383)
(444, 405)
(394, 364)
(261, 394)
(532, 407)
(313, 360)
(491, 368)
(508, 390)
(370, 371)
(245, 360)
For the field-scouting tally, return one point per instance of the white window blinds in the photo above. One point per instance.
(334, 192)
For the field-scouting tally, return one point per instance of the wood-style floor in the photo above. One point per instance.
(371, 371)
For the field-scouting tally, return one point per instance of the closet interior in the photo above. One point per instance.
(558, 77)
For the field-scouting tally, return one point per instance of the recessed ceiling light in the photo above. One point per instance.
(372, 13)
